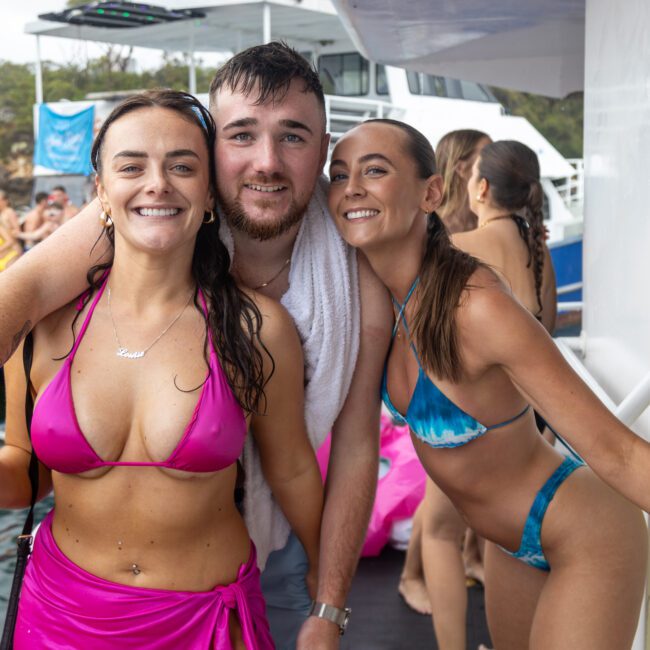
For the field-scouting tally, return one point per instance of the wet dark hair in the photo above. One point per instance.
(59, 188)
(40, 196)
(269, 69)
(512, 172)
(444, 275)
(233, 320)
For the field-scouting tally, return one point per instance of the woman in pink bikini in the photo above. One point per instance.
(144, 390)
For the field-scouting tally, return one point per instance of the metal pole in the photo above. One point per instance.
(266, 28)
(39, 72)
(192, 72)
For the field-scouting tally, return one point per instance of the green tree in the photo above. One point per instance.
(73, 81)
(17, 96)
(560, 121)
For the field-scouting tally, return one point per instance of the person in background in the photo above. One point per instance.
(511, 237)
(36, 216)
(10, 249)
(140, 420)
(467, 363)
(59, 194)
(52, 219)
(8, 217)
(455, 155)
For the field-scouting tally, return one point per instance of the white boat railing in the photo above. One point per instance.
(571, 188)
(628, 411)
(569, 288)
(635, 402)
(343, 113)
(572, 349)
(570, 305)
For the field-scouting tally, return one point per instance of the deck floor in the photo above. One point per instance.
(382, 621)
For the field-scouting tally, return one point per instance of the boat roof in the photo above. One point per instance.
(212, 26)
(536, 46)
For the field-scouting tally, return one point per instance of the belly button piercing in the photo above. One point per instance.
(136, 569)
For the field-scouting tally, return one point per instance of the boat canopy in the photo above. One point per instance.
(199, 26)
(536, 46)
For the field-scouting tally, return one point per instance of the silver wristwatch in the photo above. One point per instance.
(330, 613)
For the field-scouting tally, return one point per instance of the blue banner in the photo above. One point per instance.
(64, 141)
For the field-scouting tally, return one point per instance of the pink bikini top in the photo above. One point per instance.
(213, 439)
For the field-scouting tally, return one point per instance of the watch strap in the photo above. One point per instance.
(331, 613)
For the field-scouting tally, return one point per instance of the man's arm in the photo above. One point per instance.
(34, 235)
(287, 457)
(48, 277)
(353, 465)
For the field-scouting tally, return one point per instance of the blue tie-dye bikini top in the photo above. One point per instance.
(431, 415)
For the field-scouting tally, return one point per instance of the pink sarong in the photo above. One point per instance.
(64, 607)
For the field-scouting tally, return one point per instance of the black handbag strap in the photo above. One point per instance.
(28, 354)
(24, 541)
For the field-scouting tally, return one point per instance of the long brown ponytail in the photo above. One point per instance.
(512, 170)
(444, 274)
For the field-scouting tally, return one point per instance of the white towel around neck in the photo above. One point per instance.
(323, 300)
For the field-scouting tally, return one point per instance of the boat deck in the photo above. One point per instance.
(382, 621)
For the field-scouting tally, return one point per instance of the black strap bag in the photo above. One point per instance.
(24, 541)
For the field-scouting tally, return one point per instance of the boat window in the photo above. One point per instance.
(414, 82)
(474, 92)
(426, 84)
(381, 80)
(454, 89)
(432, 85)
(343, 74)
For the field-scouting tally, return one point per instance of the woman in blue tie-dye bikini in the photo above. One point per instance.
(467, 364)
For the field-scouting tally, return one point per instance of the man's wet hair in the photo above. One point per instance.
(59, 188)
(267, 70)
(40, 196)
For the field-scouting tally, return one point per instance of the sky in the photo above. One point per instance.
(18, 47)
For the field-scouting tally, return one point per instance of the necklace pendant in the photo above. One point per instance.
(125, 354)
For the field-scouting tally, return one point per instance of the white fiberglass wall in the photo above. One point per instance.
(617, 210)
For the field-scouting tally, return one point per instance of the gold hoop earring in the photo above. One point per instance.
(105, 219)
(211, 219)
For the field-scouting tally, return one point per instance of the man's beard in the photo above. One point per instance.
(238, 219)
